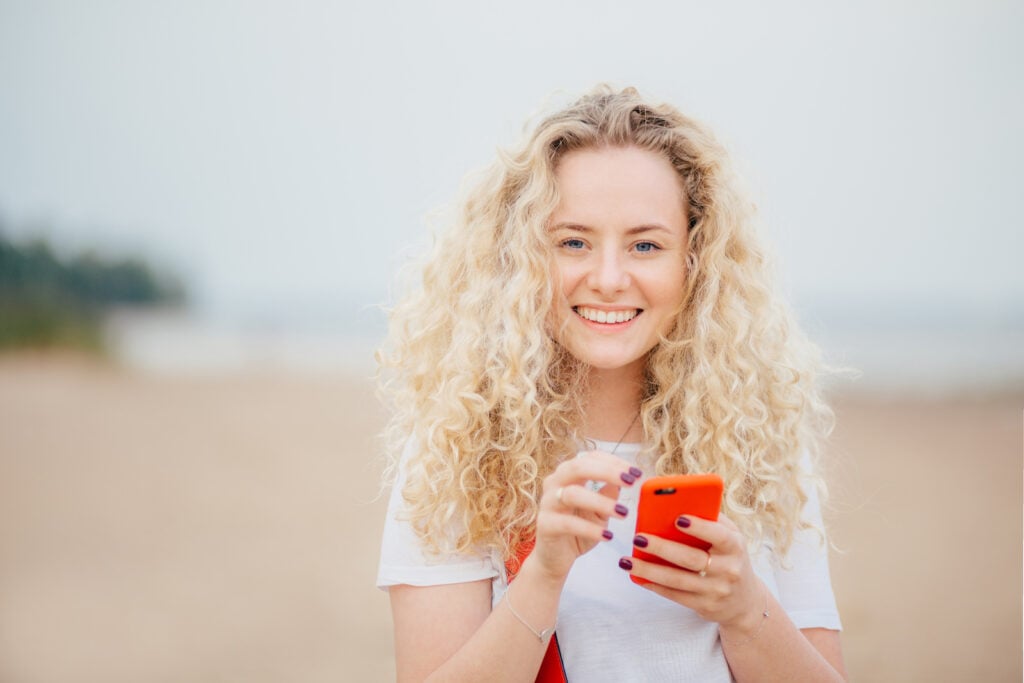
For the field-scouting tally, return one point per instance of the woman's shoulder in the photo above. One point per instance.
(403, 558)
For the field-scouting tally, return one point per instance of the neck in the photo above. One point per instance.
(612, 404)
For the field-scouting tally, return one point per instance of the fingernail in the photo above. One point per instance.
(636, 472)
(683, 522)
(621, 510)
(626, 563)
(607, 535)
(628, 478)
(640, 541)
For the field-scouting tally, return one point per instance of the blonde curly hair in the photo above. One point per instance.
(492, 403)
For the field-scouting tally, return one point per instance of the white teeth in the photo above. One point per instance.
(599, 316)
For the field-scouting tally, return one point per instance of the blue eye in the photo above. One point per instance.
(646, 247)
(573, 243)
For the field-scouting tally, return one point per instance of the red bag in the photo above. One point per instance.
(551, 668)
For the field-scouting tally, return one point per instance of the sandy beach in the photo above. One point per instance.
(226, 528)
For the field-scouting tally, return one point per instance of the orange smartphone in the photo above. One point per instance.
(663, 499)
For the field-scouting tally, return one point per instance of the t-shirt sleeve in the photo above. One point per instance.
(402, 560)
(804, 586)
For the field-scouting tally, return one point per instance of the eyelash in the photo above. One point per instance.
(648, 246)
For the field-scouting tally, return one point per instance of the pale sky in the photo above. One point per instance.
(282, 155)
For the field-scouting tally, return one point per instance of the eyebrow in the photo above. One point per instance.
(639, 229)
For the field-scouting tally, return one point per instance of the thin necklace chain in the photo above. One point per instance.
(625, 433)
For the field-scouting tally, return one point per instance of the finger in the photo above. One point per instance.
(718, 534)
(560, 524)
(575, 497)
(679, 554)
(685, 598)
(669, 576)
(595, 466)
(609, 491)
(714, 572)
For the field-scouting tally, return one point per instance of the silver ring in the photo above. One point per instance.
(704, 572)
(558, 496)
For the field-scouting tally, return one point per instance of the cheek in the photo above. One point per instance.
(670, 283)
(564, 277)
(559, 295)
(670, 298)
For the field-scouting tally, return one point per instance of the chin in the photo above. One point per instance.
(613, 364)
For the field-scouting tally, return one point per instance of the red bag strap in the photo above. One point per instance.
(552, 670)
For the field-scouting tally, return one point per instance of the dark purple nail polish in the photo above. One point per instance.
(626, 563)
(607, 535)
(683, 522)
(640, 541)
(621, 510)
(628, 478)
(636, 472)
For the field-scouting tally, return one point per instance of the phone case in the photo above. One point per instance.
(663, 499)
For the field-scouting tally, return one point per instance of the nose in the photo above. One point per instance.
(608, 274)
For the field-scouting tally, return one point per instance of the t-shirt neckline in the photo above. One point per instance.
(619, 448)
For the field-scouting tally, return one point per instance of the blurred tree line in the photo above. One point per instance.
(49, 300)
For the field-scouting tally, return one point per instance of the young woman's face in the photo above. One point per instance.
(619, 235)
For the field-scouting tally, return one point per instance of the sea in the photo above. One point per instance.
(920, 355)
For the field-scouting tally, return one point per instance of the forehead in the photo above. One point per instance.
(620, 183)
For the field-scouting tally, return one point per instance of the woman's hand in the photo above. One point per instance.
(719, 584)
(573, 517)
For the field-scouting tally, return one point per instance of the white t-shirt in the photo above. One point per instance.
(610, 629)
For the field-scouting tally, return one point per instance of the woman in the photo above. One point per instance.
(598, 313)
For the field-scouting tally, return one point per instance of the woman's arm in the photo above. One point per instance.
(449, 632)
(432, 622)
(757, 647)
(773, 649)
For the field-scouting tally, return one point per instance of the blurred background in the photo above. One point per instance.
(203, 207)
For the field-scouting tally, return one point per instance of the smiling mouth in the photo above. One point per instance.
(607, 317)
